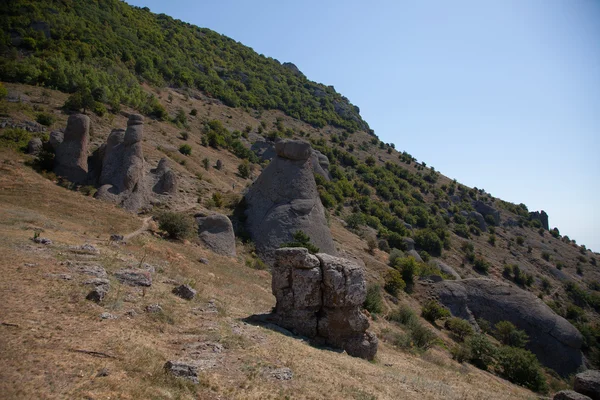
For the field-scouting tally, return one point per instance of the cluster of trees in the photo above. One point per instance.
(71, 45)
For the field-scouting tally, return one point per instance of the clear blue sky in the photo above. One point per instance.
(501, 94)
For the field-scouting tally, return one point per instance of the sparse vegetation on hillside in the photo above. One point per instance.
(110, 48)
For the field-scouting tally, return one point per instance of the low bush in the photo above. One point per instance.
(509, 335)
(373, 301)
(301, 239)
(459, 327)
(482, 351)
(177, 226)
(394, 282)
(45, 119)
(521, 367)
(432, 311)
(185, 149)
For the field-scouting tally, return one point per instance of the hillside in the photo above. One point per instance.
(378, 199)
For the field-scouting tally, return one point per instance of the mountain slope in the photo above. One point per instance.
(110, 45)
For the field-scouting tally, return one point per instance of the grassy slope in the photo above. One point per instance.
(53, 319)
(143, 343)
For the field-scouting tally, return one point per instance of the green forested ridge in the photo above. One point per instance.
(69, 45)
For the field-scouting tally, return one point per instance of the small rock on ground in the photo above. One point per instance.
(282, 374)
(153, 308)
(185, 292)
(134, 277)
(106, 315)
(183, 369)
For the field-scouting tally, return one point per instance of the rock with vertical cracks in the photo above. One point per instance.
(321, 297)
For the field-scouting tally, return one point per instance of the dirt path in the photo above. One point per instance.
(144, 228)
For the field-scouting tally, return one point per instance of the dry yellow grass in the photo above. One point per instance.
(46, 319)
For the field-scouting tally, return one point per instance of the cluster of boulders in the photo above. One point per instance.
(555, 342)
(320, 296)
(284, 199)
(117, 168)
(586, 387)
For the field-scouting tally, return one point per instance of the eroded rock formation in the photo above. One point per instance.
(216, 231)
(71, 154)
(320, 296)
(284, 199)
(552, 338)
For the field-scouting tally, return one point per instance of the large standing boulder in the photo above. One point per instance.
(555, 342)
(71, 155)
(216, 231)
(588, 383)
(122, 177)
(284, 199)
(321, 297)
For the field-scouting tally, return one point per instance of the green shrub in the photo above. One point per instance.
(492, 239)
(3, 91)
(422, 337)
(15, 138)
(482, 351)
(46, 119)
(428, 240)
(546, 256)
(461, 353)
(432, 311)
(459, 327)
(520, 240)
(403, 315)
(394, 282)
(409, 267)
(185, 149)
(509, 335)
(481, 265)
(394, 256)
(217, 199)
(484, 325)
(521, 367)
(462, 230)
(177, 226)
(301, 239)
(373, 301)
(184, 135)
(244, 170)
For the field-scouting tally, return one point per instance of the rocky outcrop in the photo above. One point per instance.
(164, 179)
(320, 164)
(321, 297)
(588, 383)
(34, 146)
(265, 150)
(485, 210)
(480, 220)
(552, 338)
(56, 138)
(540, 216)
(447, 270)
(284, 199)
(70, 161)
(122, 176)
(216, 232)
(569, 395)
